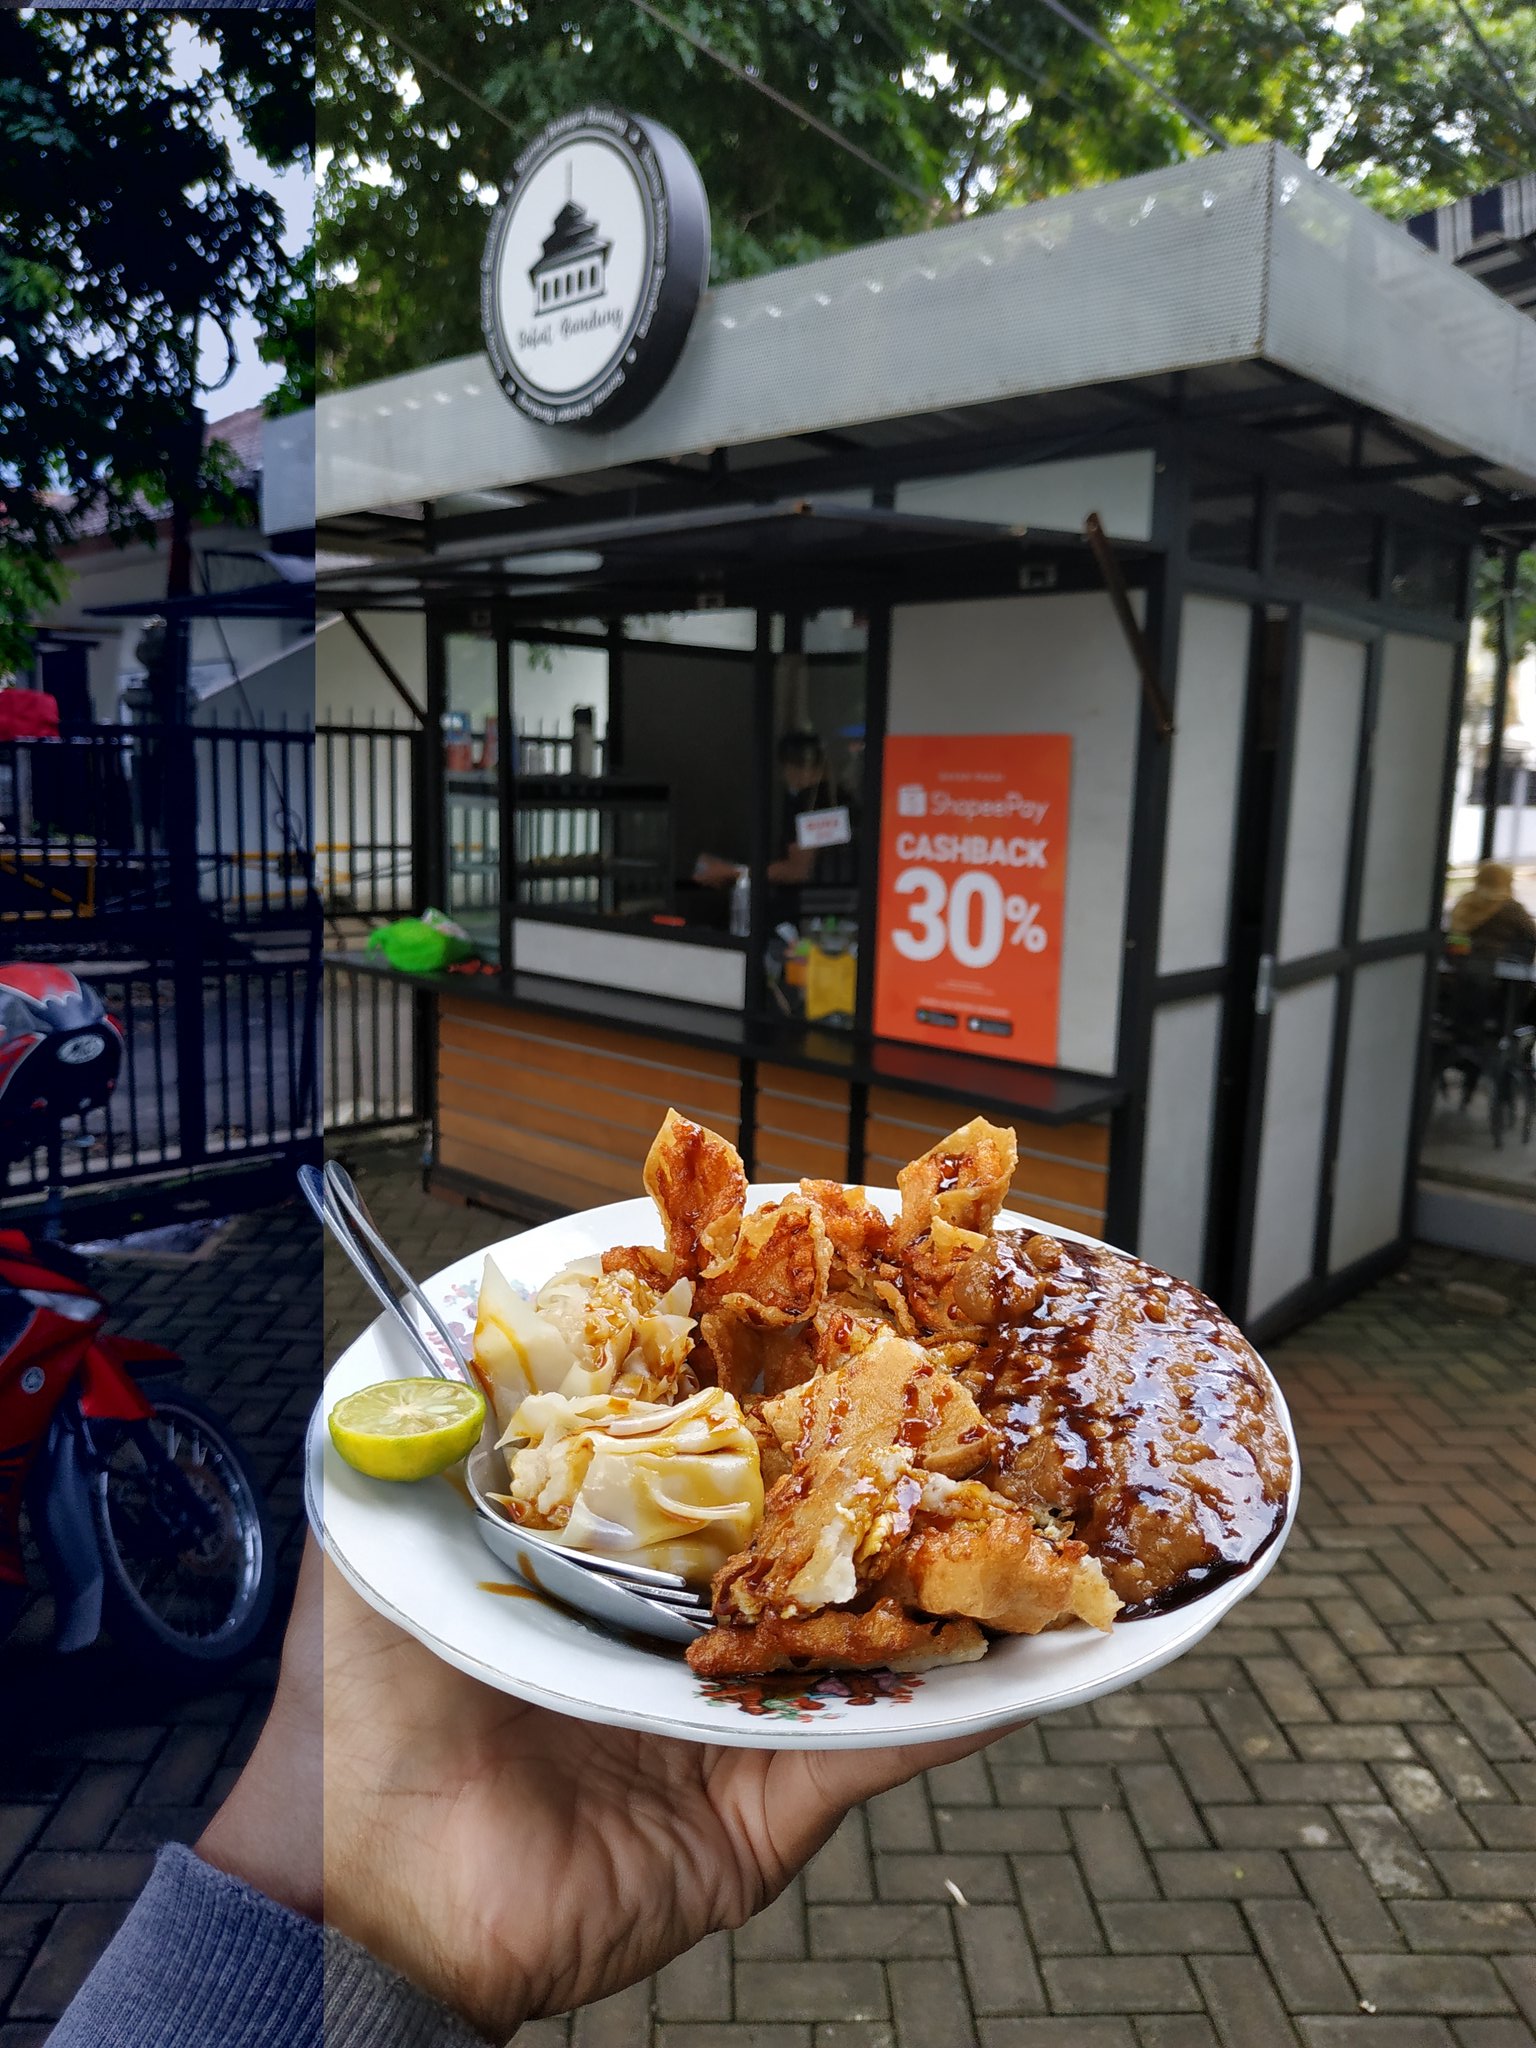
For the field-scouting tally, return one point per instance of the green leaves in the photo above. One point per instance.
(979, 103)
(29, 584)
(122, 218)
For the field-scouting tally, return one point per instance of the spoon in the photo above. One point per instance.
(630, 1597)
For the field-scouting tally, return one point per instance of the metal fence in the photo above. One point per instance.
(368, 785)
(249, 1094)
(372, 1047)
(367, 780)
(114, 826)
(172, 868)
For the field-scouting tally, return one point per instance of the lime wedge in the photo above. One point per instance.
(407, 1429)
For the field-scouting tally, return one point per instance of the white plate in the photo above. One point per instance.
(414, 1553)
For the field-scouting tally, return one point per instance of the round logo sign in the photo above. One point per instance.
(76, 1052)
(597, 254)
(33, 1380)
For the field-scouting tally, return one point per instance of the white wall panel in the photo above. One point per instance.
(1402, 834)
(1322, 796)
(715, 975)
(1044, 664)
(350, 687)
(1181, 1107)
(1291, 1144)
(1376, 1121)
(1202, 798)
(1053, 494)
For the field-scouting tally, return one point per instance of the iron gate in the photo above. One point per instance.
(173, 869)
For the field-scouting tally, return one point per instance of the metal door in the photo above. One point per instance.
(1346, 938)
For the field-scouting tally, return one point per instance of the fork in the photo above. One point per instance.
(633, 1598)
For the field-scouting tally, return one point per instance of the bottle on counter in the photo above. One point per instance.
(741, 905)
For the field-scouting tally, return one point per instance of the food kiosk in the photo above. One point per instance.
(1011, 669)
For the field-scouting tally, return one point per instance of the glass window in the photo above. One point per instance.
(472, 840)
(1223, 516)
(1427, 571)
(686, 690)
(815, 804)
(588, 842)
(1321, 541)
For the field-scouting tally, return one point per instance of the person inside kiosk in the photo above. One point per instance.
(812, 885)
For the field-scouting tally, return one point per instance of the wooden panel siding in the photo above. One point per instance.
(565, 1112)
(802, 1125)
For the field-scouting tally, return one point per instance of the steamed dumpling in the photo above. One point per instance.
(517, 1350)
(627, 1337)
(674, 1487)
(585, 1332)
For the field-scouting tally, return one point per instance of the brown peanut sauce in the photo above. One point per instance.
(1128, 1406)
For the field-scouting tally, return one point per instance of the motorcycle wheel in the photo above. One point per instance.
(200, 1608)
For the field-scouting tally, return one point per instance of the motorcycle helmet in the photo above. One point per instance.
(60, 1053)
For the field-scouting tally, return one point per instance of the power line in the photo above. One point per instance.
(1522, 111)
(1030, 70)
(1103, 43)
(427, 63)
(1430, 145)
(739, 72)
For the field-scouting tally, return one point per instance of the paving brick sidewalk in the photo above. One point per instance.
(1318, 1831)
(99, 1766)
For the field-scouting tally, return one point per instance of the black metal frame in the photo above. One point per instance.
(217, 988)
(1368, 616)
(1243, 1055)
(1145, 860)
(1238, 433)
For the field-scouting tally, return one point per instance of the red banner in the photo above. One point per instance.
(973, 873)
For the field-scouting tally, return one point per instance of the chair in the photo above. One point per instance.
(1475, 1035)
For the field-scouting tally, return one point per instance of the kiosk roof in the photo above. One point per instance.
(1243, 282)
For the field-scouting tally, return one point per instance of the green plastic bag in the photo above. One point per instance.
(422, 945)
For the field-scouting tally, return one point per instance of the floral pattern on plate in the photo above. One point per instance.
(457, 1304)
(823, 1694)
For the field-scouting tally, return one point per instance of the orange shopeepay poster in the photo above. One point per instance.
(973, 876)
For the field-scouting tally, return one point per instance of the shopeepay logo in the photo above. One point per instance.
(972, 889)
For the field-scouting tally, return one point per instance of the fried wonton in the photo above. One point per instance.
(972, 1554)
(860, 1234)
(745, 1355)
(960, 1182)
(829, 1526)
(646, 1262)
(882, 1636)
(890, 1393)
(775, 1270)
(696, 1179)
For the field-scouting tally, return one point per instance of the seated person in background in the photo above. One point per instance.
(1491, 919)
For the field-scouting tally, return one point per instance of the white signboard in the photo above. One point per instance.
(823, 828)
(593, 267)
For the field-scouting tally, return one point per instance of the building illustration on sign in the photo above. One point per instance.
(594, 264)
(574, 263)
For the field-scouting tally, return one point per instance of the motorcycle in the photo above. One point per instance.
(144, 1511)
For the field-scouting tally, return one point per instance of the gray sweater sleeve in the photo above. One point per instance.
(203, 1959)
